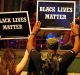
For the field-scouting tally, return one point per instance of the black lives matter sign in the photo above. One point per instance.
(14, 24)
(55, 14)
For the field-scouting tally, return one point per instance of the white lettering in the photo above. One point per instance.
(5, 20)
(10, 27)
(47, 9)
(55, 16)
(21, 19)
(64, 9)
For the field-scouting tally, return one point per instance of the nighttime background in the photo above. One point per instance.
(29, 5)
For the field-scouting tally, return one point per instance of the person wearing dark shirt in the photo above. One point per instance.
(55, 64)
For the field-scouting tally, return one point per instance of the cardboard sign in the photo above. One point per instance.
(55, 14)
(14, 24)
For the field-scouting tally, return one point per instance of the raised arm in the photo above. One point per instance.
(75, 34)
(24, 60)
(30, 43)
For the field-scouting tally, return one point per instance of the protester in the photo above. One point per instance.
(57, 64)
(8, 63)
(35, 56)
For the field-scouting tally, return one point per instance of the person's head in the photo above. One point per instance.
(52, 42)
(8, 62)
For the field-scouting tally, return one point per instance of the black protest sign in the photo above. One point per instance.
(14, 24)
(55, 14)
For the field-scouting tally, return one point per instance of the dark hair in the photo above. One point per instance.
(53, 46)
(8, 63)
